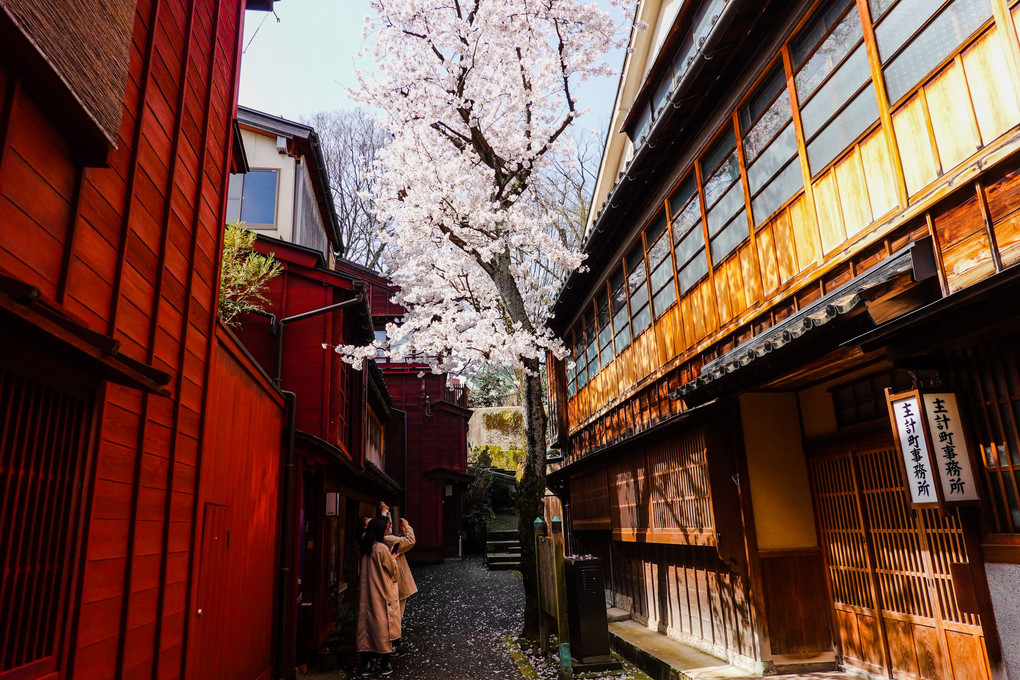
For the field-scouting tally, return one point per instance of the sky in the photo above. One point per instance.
(300, 64)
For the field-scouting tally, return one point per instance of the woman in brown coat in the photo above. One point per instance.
(379, 611)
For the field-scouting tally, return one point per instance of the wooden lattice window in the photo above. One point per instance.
(43, 438)
(589, 501)
(662, 494)
(992, 382)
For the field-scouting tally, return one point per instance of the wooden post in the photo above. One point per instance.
(543, 621)
(562, 625)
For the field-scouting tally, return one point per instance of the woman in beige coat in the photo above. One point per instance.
(379, 610)
(406, 586)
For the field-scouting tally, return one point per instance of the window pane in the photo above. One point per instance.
(854, 72)
(896, 29)
(687, 219)
(692, 244)
(786, 184)
(642, 320)
(718, 153)
(844, 128)
(638, 299)
(656, 228)
(663, 300)
(756, 104)
(772, 159)
(731, 236)
(606, 355)
(766, 128)
(662, 276)
(605, 335)
(635, 269)
(950, 28)
(839, 43)
(234, 198)
(658, 252)
(258, 197)
(622, 339)
(692, 273)
(725, 208)
(815, 29)
(878, 7)
(642, 125)
(683, 193)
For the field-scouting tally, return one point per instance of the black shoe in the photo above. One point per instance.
(384, 666)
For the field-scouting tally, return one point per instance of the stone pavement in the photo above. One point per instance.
(454, 627)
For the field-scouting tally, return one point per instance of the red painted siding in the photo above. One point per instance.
(132, 251)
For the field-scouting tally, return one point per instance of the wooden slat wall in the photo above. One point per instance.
(686, 592)
(967, 106)
(133, 250)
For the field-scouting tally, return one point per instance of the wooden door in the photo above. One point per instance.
(210, 619)
(890, 571)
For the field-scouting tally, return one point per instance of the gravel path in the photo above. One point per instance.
(454, 626)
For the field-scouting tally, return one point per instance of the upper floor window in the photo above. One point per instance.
(605, 330)
(909, 52)
(591, 349)
(580, 358)
(252, 198)
(833, 81)
(724, 196)
(637, 290)
(618, 308)
(688, 235)
(770, 146)
(660, 264)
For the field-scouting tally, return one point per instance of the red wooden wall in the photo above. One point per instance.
(132, 251)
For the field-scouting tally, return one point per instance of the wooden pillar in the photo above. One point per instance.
(562, 626)
(543, 622)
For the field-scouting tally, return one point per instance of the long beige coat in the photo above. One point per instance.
(379, 611)
(406, 586)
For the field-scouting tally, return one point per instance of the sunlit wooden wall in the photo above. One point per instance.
(937, 138)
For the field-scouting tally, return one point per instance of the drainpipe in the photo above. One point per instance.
(276, 327)
(286, 614)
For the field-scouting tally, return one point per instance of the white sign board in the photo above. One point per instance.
(909, 421)
(951, 457)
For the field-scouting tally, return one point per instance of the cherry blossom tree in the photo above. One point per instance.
(478, 97)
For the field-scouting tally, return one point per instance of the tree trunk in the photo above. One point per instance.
(531, 491)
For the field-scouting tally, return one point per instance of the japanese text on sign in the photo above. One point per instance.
(951, 457)
(914, 447)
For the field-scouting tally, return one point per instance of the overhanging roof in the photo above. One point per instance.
(916, 259)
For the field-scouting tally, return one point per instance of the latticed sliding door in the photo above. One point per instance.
(890, 571)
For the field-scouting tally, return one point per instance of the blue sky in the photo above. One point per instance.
(301, 64)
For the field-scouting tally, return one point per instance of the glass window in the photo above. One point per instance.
(644, 122)
(688, 235)
(724, 194)
(927, 49)
(637, 290)
(660, 262)
(618, 307)
(837, 102)
(579, 356)
(847, 80)
(770, 146)
(729, 237)
(844, 128)
(605, 332)
(591, 348)
(252, 198)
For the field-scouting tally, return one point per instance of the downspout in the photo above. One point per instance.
(276, 327)
(286, 620)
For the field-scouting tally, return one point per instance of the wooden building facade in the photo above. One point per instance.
(433, 467)
(801, 204)
(138, 521)
(340, 447)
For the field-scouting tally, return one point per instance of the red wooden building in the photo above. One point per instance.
(433, 470)
(341, 417)
(138, 534)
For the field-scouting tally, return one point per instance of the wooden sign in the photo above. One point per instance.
(908, 421)
(950, 454)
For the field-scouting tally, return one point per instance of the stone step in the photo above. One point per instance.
(503, 546)
(503, 564)
(501, 536)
